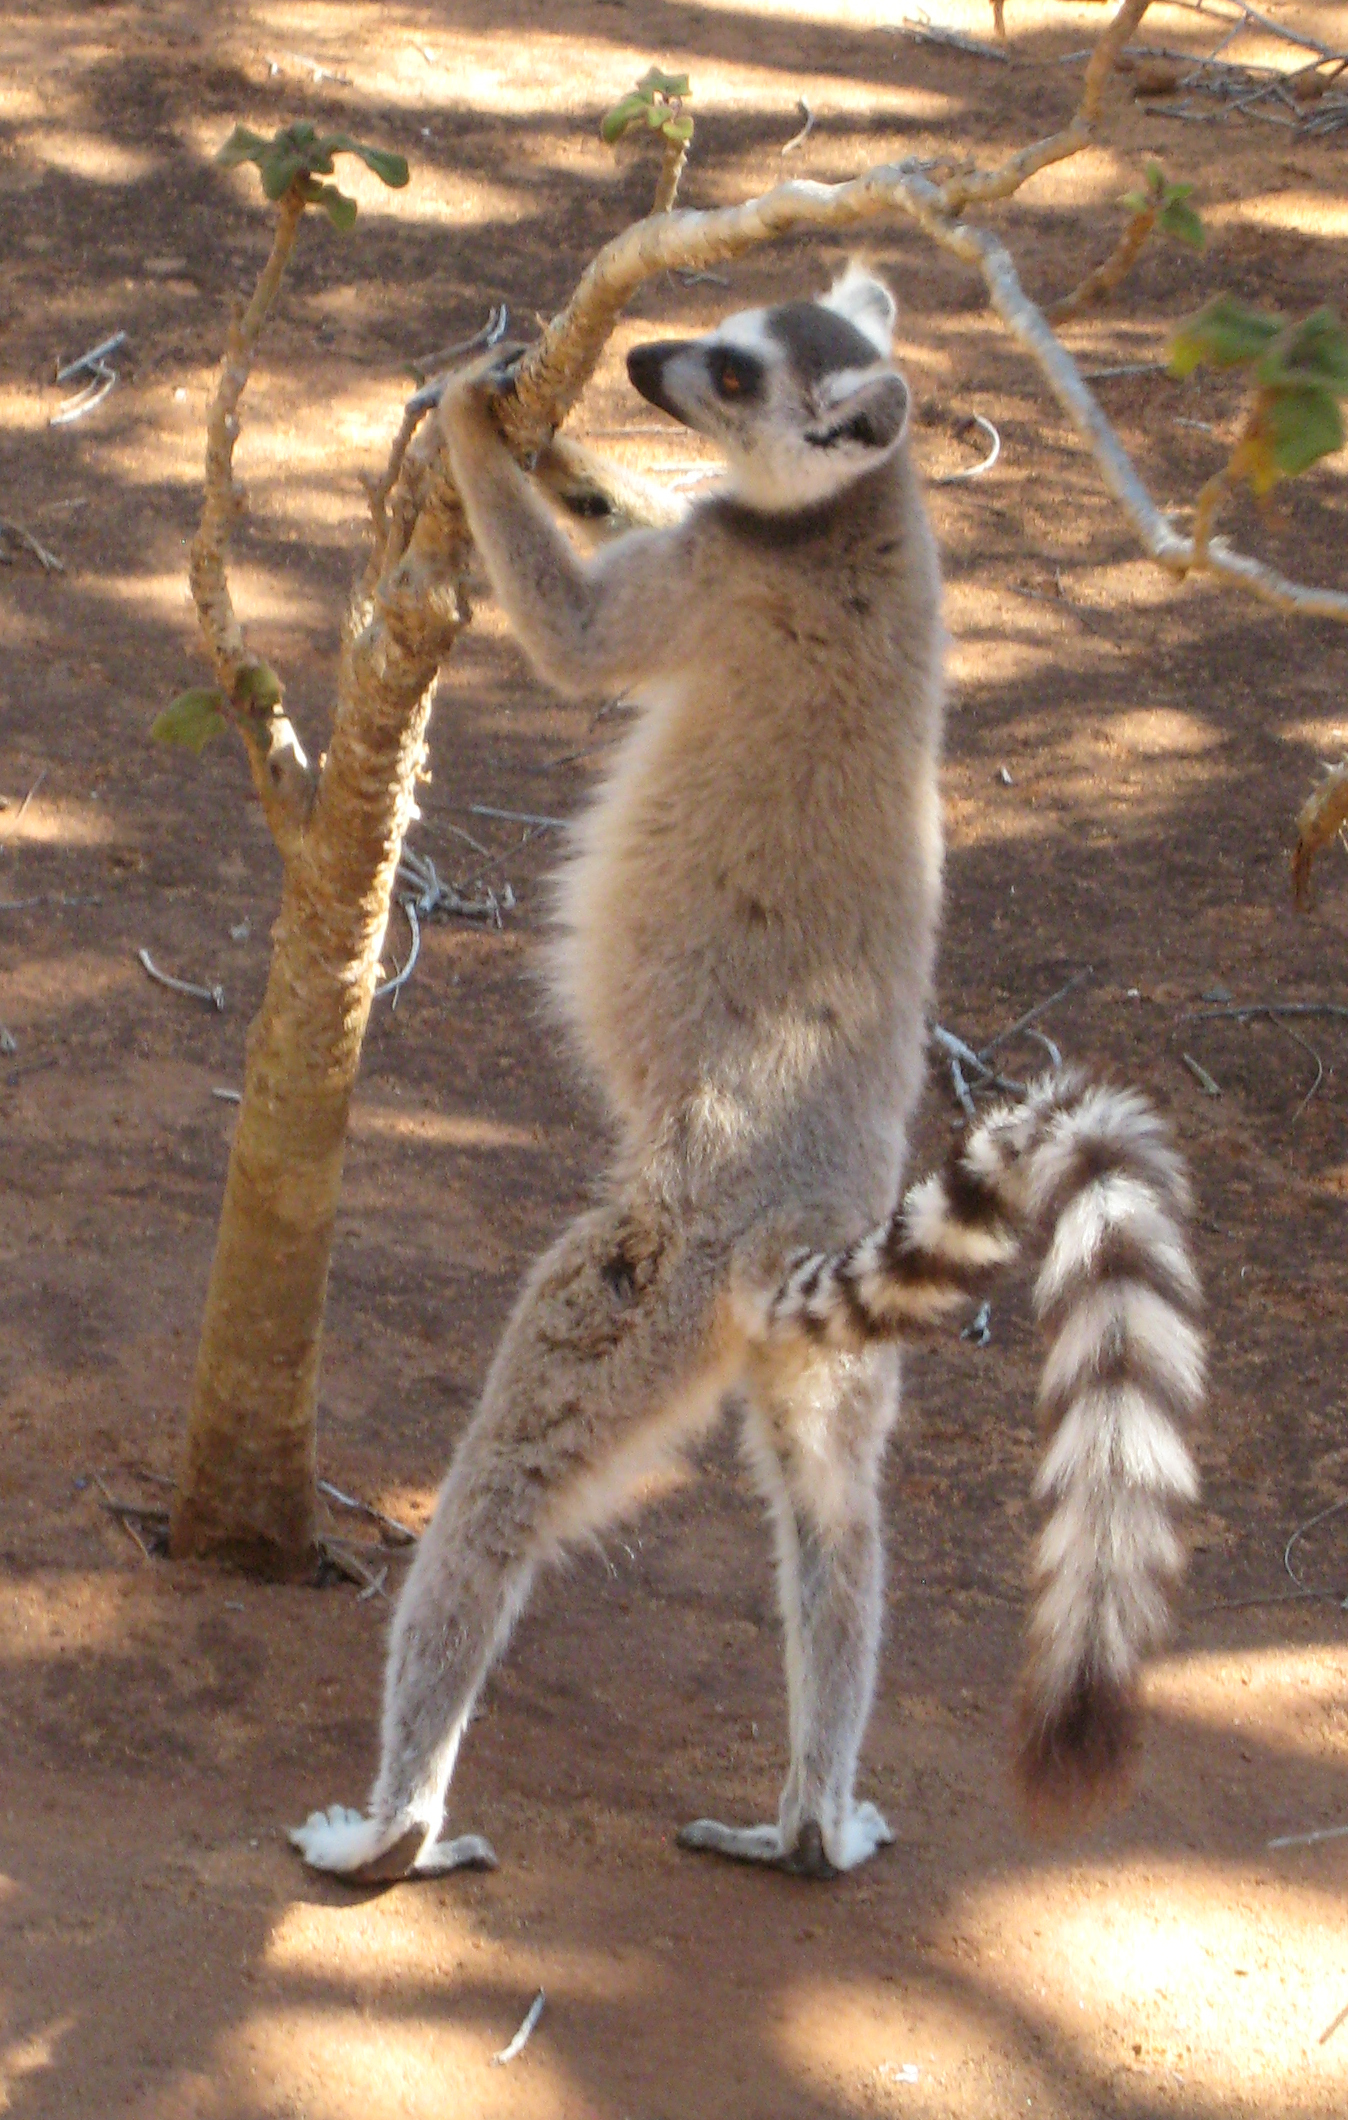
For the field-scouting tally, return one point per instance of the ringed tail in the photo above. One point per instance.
(1089, 1172)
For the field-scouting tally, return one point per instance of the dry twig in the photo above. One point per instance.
(522, 2036)
(1201, 1076)
(396, 1534)
(214, 994)
(542, 824)
(798, 139)
(1323, 816)
(923, 30)
(49, 562)
(23, 806)
(284, 780)
(984, 464)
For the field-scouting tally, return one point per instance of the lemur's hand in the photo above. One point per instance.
(469, 392)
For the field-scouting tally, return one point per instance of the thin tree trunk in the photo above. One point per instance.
(246, 1487)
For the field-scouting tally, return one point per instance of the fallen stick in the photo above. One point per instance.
(552, 824)
(953, 478)
(522, 2036)
(1201, 1076)
(799, 139)
(50, 563)
(1040, 1008)
(399, 980)
(214, 994)
(399, 1534)
(24, 805)
(1306, 1840)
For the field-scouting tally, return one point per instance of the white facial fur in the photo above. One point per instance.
(801, 407)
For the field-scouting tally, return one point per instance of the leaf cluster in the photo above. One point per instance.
(298, 154)
(201, 712)
(1299, 372)
(1169, 203)
(656, 103)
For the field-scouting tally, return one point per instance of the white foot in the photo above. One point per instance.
(809, 1854)
(366, 1851)
(865, 1832)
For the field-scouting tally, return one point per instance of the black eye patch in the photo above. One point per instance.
(736, 376)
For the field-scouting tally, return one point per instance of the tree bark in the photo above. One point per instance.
(246, 1486)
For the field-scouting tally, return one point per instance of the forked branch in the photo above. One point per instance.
(556, 368)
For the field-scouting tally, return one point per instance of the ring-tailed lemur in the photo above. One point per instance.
(746, 932)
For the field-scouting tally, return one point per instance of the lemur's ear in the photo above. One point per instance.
(866, 407)
(866, 302)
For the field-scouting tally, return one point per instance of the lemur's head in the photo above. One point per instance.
(803, 399)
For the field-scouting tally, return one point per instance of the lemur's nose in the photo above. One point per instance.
(646, 370)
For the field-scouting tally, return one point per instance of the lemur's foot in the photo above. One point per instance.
(807, 1854)
(365, 1850)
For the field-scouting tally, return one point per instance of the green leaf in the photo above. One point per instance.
(257, 687)
(623, 114)
(340, 210)
(390, 169)
(193, 718)
(1137, 202)
(301, 132)
(242, 146)
(1224, 334)
(680, 129)
(1302, 424)
(279, 168)
(1180, 221)
(654, 83)
(1314, 351)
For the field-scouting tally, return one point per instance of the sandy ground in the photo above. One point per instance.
(163, 1954)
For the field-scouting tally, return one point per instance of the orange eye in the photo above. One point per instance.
(737, 374)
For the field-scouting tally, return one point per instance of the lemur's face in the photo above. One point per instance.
(803, 399)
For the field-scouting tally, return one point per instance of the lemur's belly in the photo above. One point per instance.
(727, 932)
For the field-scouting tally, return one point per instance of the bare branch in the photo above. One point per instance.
(559, 364)
(1323, 816)
(557, 367)
(671, 170)
(1104, 56)
(1100, 283)
(1030, 328)
(284, 780)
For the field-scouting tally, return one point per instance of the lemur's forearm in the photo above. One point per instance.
(586, 625)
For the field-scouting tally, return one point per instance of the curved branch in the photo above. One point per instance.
(557, 366)
(284, 780)
(1168, 546)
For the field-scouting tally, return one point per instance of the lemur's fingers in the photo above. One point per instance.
(488, 376)
(707, 1836)
(467, 1851)
(362, 1850)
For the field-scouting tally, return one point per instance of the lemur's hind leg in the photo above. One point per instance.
(816, 1434)
(614, 1352)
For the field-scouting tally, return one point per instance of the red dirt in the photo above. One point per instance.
(164, 1955)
